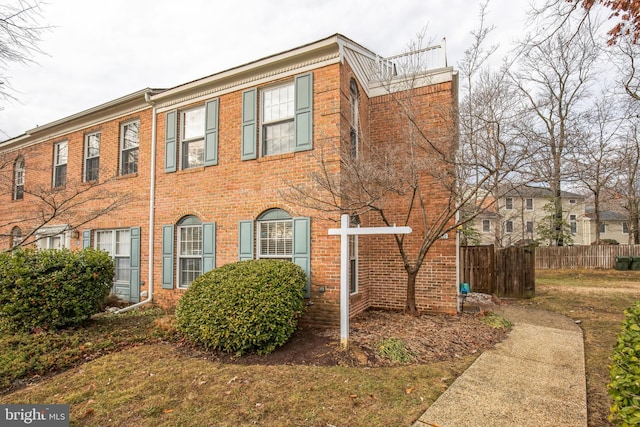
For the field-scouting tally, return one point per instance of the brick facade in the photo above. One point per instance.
(234, 189)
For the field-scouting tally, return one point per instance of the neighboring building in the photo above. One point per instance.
(200, 168)
(613, 226)
(517, 214)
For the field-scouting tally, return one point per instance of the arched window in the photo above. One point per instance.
(354, 98)
(18, 181)
(189, 250)
(16, 236)
(275, 228)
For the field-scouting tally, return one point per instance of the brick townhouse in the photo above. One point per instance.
(193, 178)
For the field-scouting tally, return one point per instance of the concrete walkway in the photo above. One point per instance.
(535, 377)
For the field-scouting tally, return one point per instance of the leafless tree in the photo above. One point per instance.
(74, 204)
(555, 76)
(394, 180)
(628, 184)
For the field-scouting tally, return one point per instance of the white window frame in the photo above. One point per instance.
(266, 149)
(117, 248)
(187, 141)
(193, 253)
(625, 227)
(508, 226)
(486, 229)
(603, 227)
(125, 151)
(16, 236)
(526, 202)
(508, 203)
(529, 229)
(573, 224)
(60, 159)
(283, 228)
(18, 179)
(572, 201)
(90, 156)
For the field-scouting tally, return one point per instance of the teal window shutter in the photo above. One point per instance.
(134, 264)
(86, 239)
(211, 133)
(304, 112)
(245, 240)
(208, 246)
(167, 256)
(249, 124)
(171, 141)
(302, 248)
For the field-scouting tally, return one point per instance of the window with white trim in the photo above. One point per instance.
(277, 118)
(572, 201)
(573, 224)
(486, 226)
(508, 203)
(16, 236)
(625, 228)
(189, 239)
(354, 97)
(602, 227)
(528, 204)
(129, 146)
(18, 179)
(60, 154)
(117, 243)
(529, 226)
(92, 156)
(275, 235)
(508, 226)
(192, 145)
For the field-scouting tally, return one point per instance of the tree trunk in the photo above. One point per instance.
(411, 294)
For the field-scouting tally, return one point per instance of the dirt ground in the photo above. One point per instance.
(427, 338)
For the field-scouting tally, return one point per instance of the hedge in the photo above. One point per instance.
(624, 387)
(52, 289)
(243, 306)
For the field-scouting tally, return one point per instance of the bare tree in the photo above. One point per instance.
(628, 184)
(394, 180)
(596, 165)
(74, 204)
(555, 75)
(20, 33)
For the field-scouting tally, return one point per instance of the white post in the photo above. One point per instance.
(344, 232)
(344, 280)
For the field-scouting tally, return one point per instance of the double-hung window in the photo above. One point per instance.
(486, 226)
(529, 204)
(189, 250)
(625, 228)
(278, 128)
(508, 226)
(529, 226)
(573, 224)
(192, 148)
(18, 184)
(508, 203)
(602, 227)
(275, 228)
(92, 156)
(60, 154)
(117, 243)
(129, 145)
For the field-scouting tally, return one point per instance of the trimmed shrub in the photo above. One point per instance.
(243, 306)
(624, 387)
(52, 289)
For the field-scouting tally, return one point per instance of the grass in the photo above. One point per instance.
(596, 298)
(161, 384)
(108, 378)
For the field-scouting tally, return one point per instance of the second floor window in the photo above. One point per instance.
(192, 148)
(92, 156)
(278, 128)
(602, 227)
(60, 154)
(18, 184)
(625, 228)
(508, 203)
(529, 226)
(129, 144)
(508, 226)
(573, 224)
(486, 226)
(529, 204)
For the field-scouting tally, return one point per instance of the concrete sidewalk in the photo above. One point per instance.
(536, 377)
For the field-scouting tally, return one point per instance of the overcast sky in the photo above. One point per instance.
(97, 51)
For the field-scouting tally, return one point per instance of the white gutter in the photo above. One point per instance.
(152, 197)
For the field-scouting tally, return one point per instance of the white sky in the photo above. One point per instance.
(97, 51)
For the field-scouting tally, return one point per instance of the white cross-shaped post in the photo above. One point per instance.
(344, 232)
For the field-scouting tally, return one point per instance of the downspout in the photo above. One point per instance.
(152, 197)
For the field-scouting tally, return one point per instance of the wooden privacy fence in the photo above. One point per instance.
(594, 256)
(506, 272)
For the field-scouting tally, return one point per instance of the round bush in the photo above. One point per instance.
(51, 289)
(244, 306)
